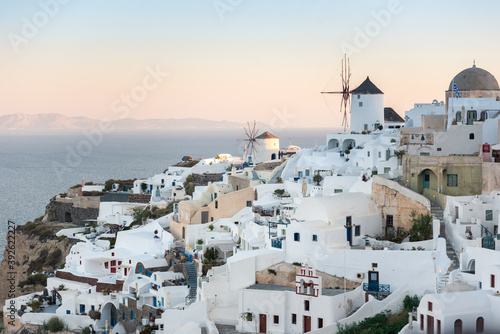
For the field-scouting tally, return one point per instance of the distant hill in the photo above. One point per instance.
(59, 122)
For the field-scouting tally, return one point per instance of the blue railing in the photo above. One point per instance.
(379, 288)
(276, 243)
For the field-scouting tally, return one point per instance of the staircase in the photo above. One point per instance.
(437, 213)
(442, 281)
(192, 281)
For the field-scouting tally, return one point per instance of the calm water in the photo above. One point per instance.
(34, 168)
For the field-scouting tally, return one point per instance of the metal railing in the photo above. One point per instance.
(378, 288)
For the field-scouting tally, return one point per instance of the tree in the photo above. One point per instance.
(421, 226)
(317, 178)
(140, 214)
(399, 154)
(144, 186)
(347, 152)
(108, 185)
(189, 185)
(211, 254)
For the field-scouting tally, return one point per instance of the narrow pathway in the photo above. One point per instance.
(192, 281)
(437, 213)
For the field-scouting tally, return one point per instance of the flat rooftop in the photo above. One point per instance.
(270, 287)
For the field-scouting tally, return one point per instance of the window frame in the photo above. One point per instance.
(296, 236)
(452, 180)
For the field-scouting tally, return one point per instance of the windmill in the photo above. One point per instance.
(346, 92)
(250, 148)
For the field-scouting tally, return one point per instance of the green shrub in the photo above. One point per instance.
(34, 279)
(86, 330)
(421, 228)
(410, 303)
(54, 325)
(382, 323)
(210, 254)
(189, 185)
(53, 258)
(95, 315)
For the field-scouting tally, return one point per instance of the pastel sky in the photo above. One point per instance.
(234, 60)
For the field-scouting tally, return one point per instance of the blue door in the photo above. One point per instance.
(373, 281)
(154, 301)
(82, 308)
(426, 180)
(488, 242)
(348, 225)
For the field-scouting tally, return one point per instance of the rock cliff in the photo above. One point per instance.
(35, 249)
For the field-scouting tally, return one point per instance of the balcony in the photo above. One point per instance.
(377, 288)
(276, 243)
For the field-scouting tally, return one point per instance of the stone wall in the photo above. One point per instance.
(124, 314)
(203, 179)
(467, 168)
(238, 182)
(100, 287)
(76, 210)
(285, 276)
(491, 177)
(393, 199)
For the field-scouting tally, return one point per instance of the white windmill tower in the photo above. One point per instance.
(250, 148)
(261, 148)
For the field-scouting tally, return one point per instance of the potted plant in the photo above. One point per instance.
(248, 316)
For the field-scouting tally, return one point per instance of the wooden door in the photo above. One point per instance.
(262, 323)
(430, 324)
(307, 324)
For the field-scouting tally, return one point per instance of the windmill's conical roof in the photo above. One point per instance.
(266, 135)
(367, 87)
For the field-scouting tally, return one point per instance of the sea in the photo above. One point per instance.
(36, 167)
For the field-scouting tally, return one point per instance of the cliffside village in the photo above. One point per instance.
(296, 240)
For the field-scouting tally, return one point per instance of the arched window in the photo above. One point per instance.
(480, 325)
(458, 326)
(471, 136)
